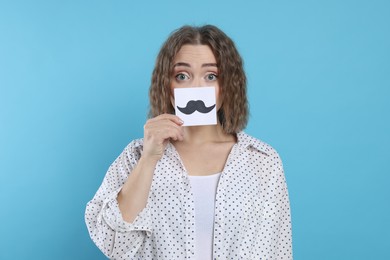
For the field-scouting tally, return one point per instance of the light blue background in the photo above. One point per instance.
(74, 78)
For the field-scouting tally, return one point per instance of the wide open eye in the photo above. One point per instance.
(181, 77)
(211, 77)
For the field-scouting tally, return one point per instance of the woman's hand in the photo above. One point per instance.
(158, 131)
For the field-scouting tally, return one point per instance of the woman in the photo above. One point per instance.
(194, 192)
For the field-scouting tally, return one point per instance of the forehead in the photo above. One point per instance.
(195, 54)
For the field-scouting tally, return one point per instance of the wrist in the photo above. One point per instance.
(147, 159)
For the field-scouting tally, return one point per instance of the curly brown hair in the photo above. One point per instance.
(233, 114)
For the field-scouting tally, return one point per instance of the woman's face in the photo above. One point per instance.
(195, 66)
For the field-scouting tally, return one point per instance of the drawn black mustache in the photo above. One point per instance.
(195, 105)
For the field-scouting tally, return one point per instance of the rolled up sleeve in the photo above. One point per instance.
(115, 237)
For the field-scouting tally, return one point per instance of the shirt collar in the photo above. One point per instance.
(246, 141)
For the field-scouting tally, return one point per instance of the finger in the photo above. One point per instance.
(159, 123)
(163, 129)
(170, 117)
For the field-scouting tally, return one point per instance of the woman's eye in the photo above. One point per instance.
(181, 76)
(211, 77)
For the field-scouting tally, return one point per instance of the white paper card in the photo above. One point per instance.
(196, 106)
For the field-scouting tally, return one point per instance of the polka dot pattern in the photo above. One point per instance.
(252, 209)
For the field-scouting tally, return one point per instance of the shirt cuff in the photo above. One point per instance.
(113, 217)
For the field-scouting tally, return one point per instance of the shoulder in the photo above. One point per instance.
(134, 149)
(135, 144)
(256, 149)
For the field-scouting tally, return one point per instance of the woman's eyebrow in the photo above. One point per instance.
(184, 64)
(209, 65)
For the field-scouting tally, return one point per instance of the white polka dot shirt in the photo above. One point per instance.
(252, 210)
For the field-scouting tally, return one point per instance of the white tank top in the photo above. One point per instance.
(204, 189)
